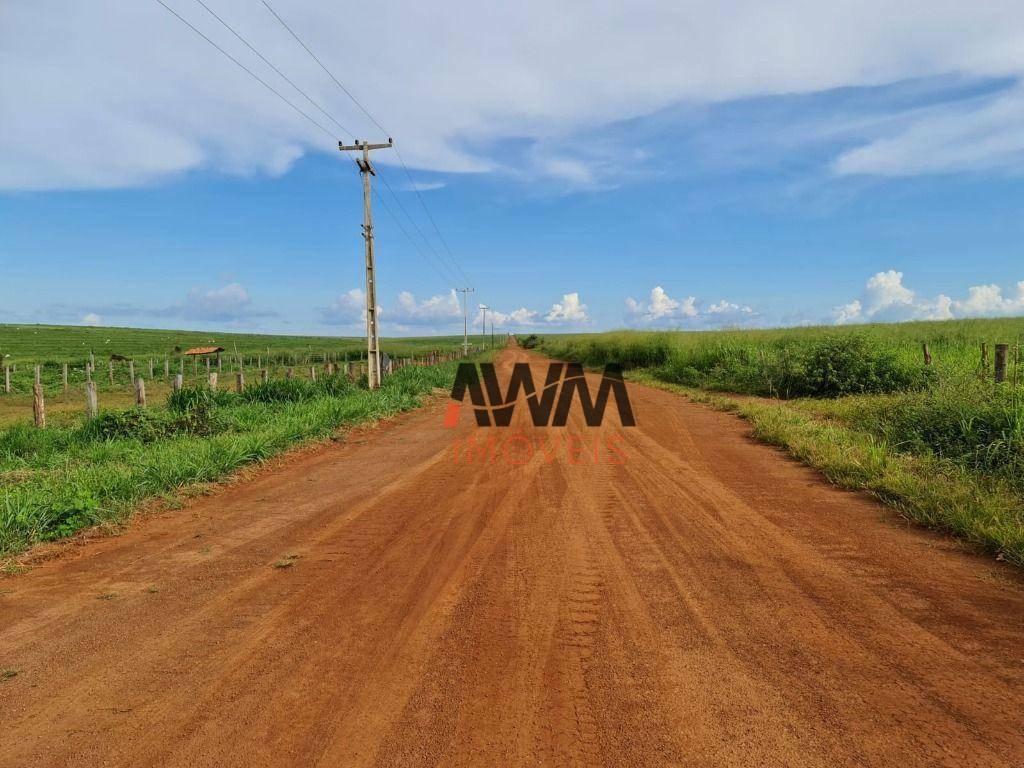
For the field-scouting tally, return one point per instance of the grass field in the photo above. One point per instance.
(34, 344)
(22, 347)
(942, 442)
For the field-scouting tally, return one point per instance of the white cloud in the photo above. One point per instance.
(229, 302)
(662, 310)
(149, 99)
(887, 299)
(441, 309)
(422, 186)
(569, 311)
(347, 309)
(91, 318)
(989, 300)
(972, 137)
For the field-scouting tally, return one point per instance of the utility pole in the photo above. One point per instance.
(483, 328)
(465, 319)
(372, 332)
(492, 334)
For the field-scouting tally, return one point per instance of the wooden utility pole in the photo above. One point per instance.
(372, 331)
(465, 319)
(483, 327)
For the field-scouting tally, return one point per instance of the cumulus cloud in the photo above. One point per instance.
(663, 310)
(436, 310)
(887, 299)
(347, 309)
(150, 100)
(91, 318)
(229, 303)
(570, 311)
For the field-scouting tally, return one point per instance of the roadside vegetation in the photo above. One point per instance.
(59, 480)
(941, 442)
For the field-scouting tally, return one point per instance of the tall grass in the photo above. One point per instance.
(862, 405)
(54, 482)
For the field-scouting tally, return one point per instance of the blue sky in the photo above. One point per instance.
(149, 182)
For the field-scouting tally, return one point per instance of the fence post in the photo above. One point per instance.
(179, 379)
(92, 407)
(312, 373)
(110, 371)
(140, 391)
(167, 369)
(64, 376)
(240, 381)
(213, 380)
(38, 405)
(984, 357)
(264, 375)
(88, 371)
(288, 372)
(1001, 355)
(7, 379)
(151, 368)
(927, 354)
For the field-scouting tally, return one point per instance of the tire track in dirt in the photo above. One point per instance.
(707, 602)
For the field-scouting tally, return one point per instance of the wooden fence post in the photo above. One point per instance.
(38, 406)
(1001, 355)
(288, 372)
(984, 357)
(64, 376)
(927, 354)
(264, 375)
(179, 379)
(207, 366)
(92, 408)
(7, 379)
(167, 369)
(140, 392)
(312, 373)
(213, 380)
(151, 368)
(240, 381)
(88, 371)
(110, 371)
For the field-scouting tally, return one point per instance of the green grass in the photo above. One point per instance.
(30, 344)
(56, 481)
(50, 346)
(942, 443)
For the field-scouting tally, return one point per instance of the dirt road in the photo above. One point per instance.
(702, 601)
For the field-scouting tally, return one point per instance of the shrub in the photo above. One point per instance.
(198, 396)
(850, 365)
(131, 424)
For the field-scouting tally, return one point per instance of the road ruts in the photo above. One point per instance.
(705, 602)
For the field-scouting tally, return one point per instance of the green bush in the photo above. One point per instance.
(131, 424)
(198, 396)
(851, 365)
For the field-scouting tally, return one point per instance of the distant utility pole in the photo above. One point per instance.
(483, 328)
(372, 333)
(492, 334)
(465, 319)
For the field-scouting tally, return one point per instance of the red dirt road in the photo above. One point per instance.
(708, 602)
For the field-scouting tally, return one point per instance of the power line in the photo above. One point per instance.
(283, 98)
(252, 74)
(374, 120)
(267, 61)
